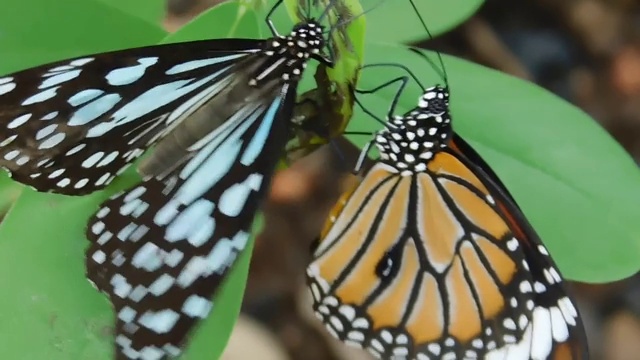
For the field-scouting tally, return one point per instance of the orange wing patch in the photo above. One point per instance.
(501, 263)
(446, 164)
(474, 274)
(489, 295)
(464, 317)
(476, 209)
(389, 308)
(349, 232)
(438, 228)
(426, 322)
(375, 176)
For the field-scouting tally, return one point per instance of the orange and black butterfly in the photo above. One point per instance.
(430, 257)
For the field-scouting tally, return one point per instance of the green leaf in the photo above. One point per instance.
(232, 19)
(42, 254)
(576, 185)
(9, 192)
(395, 21)
(151, 11)
(34, 32)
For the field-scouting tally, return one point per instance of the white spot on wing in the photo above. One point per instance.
(94, 110)
(202, 233)
(127, 314)
(50, 115)
(84, 96)
(196, 306)
(520, 350)
(8, 140)
(18, 121)
(75, 149)
(102, 212)
(82, 61)
(92, 160)
(195, 64)
(160, 322)
(151, 353)
(108, 159)
(233, 200)
(161, 285)
(45, 131)
(41, 96)
(102, 179)
(138, 293)
(541, 337)
(52, 141)
(11, 154)
(129, 75)
(559, 327)
(23, 160)
(128, 207)
(81, 183)
(121, 287)
(59, 79)
(7, 86)
(259, 139)
(64, 182)
(192, 220)
(568, 310)
(221, 257)
(99, 256)
(148, 257)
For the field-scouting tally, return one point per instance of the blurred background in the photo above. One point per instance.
(586, 51)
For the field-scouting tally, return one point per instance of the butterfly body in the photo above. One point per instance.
(428, 257)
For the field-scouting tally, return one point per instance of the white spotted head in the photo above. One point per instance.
(434, 100)
(307, 37)
(409, 142)
(290, 54)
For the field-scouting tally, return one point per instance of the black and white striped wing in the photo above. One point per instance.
(70, 126)
(161, 250)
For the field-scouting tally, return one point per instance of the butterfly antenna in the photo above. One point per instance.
(399, 66)
(433, 65)
(353, 18)
(443, 72)
(270, 24)
(310, 4)
(331, 4)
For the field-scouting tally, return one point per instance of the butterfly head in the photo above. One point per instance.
(308, 37)
(305, 41)
(434, 100)
(409, 142)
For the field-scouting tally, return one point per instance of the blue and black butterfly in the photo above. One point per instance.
(218, 113)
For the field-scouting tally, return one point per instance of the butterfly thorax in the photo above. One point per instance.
(293, 51)
(409, 142)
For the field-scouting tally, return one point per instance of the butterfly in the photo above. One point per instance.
(428, 256)
(218, 114)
